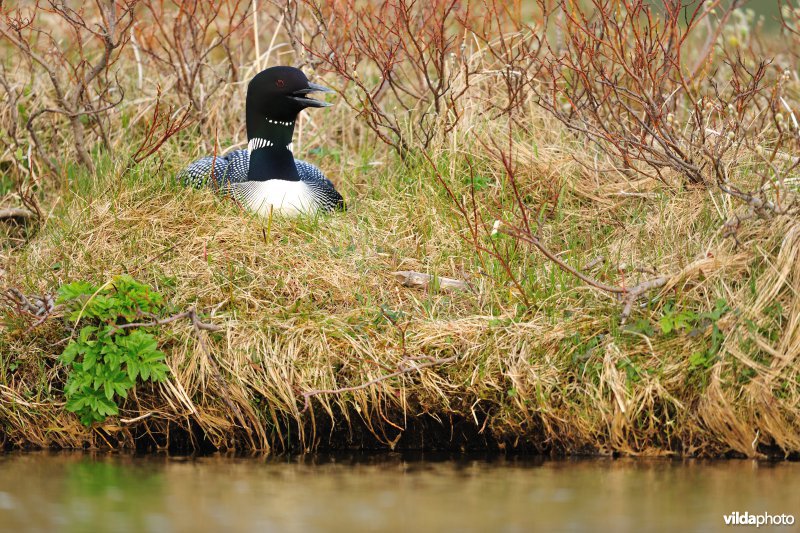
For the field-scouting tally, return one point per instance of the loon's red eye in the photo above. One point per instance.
(279, 83)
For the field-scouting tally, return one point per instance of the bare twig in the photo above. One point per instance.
(163, 125)
(191, 314)
(136, 419)
(594, 263)
(418, 280)
(16, 214)
(418, 49)
(39, 307)
(634, 293)
(83, 86)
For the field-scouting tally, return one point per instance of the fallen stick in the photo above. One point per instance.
(15, 213)
(191, 314)
(634, 293)
(418, 280)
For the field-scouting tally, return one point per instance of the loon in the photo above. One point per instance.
(266, 177)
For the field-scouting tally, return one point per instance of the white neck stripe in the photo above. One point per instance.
(257, 142)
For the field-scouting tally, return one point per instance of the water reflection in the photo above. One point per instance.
(392, 492)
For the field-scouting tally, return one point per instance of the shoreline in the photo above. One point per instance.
(420, 437)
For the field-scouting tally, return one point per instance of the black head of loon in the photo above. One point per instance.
(275, 97)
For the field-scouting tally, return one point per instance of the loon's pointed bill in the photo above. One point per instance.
(266, 177)
(299, 96)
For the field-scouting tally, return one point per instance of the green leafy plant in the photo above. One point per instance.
(108, 357)
(641, 326)
(674, 320)
(696, 323)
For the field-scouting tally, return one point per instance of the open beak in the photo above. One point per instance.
(300, 96)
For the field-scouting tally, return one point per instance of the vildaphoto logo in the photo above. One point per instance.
(764, 519)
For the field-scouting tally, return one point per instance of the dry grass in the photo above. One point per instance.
(310, 304)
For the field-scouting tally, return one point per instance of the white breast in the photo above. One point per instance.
(277, 196)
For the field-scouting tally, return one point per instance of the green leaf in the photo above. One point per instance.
(72, 291)
(69, 354)
(108, 387)
(86, 334)
(641, 326)
(88, 418)
(159, 372)
(121, 389)
(89, 360)
(699, 359)
(107, 407)
(76, 404)
(133, 369)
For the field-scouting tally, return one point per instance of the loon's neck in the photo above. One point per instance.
(269, 144)
(272, 163)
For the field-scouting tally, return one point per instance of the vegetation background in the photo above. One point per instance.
(613, 183)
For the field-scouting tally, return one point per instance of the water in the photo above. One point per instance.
(388, 492)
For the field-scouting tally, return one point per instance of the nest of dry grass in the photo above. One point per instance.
(310, 305)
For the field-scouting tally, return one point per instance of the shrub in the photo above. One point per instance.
(111, 352)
